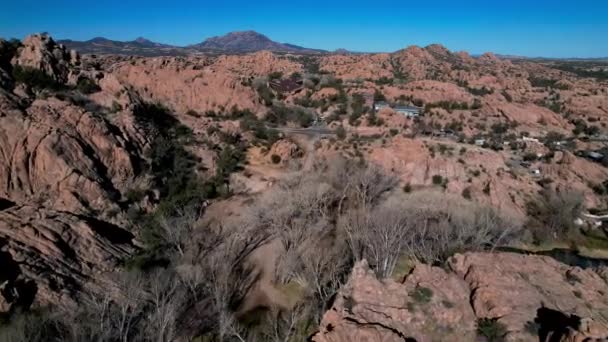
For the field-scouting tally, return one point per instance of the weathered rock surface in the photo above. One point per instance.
(534, 297)
(63, 156)
(39, 51)
(47, 256)
(513, 287)
(285, 149)
(431, 305)
(63, 170)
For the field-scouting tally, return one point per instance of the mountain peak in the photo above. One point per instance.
(98, 40)
(246, 41)
(142, 40)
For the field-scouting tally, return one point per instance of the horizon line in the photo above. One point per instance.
(473, 54)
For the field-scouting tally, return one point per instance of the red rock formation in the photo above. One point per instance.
(431, 304)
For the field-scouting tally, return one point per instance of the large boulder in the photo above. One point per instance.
(39, 51)
(512, 288)
(431, 305)
(285, 149)
(63, 156)
(519, 297)
(48, 256)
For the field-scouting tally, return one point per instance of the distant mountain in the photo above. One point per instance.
(563, 59)
(140, 46)
(248, 41)
(233, 42)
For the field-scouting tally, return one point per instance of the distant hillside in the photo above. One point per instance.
(248, 41)
(233, 42)
(140, 46)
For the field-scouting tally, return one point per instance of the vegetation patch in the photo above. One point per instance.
(35, 78)
(491, 329)
(422, 295)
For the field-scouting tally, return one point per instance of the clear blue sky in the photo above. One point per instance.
(557, 28)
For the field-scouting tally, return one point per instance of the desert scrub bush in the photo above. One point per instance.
(466, 193)
(491, 329)
(437, 179)
(87, 86)
(407, 188)
(422, 295)
(275, 158)
(427, 226)
(35, 78)
(551, 214)
(341, 132)
(280, 114)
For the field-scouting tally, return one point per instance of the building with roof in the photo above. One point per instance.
(287, 85)
(409, 111)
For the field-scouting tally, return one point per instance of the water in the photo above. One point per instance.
(564, 255)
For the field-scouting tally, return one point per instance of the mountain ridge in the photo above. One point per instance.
(232, 42)
(237, 42)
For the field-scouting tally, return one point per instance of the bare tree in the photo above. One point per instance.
(287, 324)
(176, 230)
(379, 235)
(552, 214)
(166, 299)
(426, 226)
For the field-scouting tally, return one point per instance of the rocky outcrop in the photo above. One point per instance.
(511, 288)
(285, 149)
(47, 256)
(39, 51)
(431, 305)
(64, 166)
(64, 157)
(533, 297)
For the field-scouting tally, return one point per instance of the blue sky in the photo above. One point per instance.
(558, 28)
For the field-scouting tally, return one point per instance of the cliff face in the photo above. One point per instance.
(518, 297)
(63, 170)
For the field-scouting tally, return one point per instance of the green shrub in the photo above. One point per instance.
(486, 189)
(87, 86)
(135, 195)
(275, 75)
(116, 107)
(341, 133)
(378, 96)
(551, 215)
(530, 156)
(437, 179)
(491, 329)
(407, 188)
(422, 295)
(193, 113)
(281, 114)
(35, 78)
(466, 193)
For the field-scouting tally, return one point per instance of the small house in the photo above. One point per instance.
(380, 105)
(480, 142)
(595, 155)
(528, 139)
(409, 111)
(288, 85)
